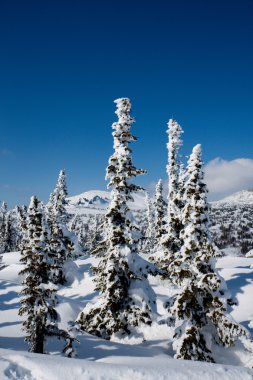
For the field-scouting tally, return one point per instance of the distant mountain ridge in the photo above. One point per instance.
(97, 201)
(240, 197)
(231, 218)
(91, 198)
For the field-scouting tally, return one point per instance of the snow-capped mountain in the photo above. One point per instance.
(97, 201)
(243, 197)
(91, 199)
(100, 199)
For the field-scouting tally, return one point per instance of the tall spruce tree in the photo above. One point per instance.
(160, 208)
(58, 199)
(8, 237)
(171, 241)
(21, 212)
(126, 298)
(3, 227)
(38, 294)
(149, 238)
(4, 208)
(199, 308)
(12, 231)
(8, 233)
(63, 243)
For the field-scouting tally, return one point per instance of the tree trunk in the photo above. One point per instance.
(38, 346)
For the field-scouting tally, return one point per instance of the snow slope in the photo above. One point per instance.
(19, 365)
(243, 197)
(98, 359)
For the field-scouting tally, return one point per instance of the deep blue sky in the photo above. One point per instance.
(62, 63)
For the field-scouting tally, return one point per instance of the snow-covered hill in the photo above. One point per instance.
(92, 198)
(243, 197)
(97, 201)
(111, 360)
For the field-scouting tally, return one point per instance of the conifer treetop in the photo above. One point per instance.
(61, 184)
(120, 168)
(174, 132)
(60, 192)
(123, 110)
(57, 200)
(159, 186)
(4, 207)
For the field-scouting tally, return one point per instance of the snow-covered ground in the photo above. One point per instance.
(137, 358)
(21, 365)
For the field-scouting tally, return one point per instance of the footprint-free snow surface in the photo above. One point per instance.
(146, 355)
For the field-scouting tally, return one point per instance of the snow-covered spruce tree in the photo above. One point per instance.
(80, 228)
(4, 208)
(182, 178)
(39, 299)
(160, 208)
(38, 294)
(12, 236)
(63, 243)
(199, 308)
(3, 226)
(8, 237)
(126, 298)
(58, 198)
(171, 242)
(149, 238)
(21, 212)
(61, 191)
(95, 239)
(8, 230)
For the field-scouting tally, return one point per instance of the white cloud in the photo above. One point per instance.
(225, 177)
